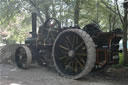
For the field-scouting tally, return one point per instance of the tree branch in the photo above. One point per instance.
(121, 19)
(109, 8)
(37, 9)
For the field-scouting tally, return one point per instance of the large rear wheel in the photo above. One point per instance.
(74, 53)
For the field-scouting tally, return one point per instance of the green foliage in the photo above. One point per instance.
(121, 58)
(0, 39)
(11, 41)
(92, 10)
(15, 15)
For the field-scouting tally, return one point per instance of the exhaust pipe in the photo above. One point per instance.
(34, 25)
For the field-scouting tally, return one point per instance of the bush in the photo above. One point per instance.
(11, 41)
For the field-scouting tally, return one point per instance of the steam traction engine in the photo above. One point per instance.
(75, 52)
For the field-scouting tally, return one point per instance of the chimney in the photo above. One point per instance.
(34, 25)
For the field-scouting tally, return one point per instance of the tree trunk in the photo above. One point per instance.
(38, 11)
(53, 9)
(60, 11)
(125, 25)
(114, 22)
(47, 16)
(76, 12)
(110, 23)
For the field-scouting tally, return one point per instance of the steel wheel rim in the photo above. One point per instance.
(23, 57)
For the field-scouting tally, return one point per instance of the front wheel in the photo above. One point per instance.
(23, 57)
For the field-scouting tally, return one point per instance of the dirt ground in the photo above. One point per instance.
(36, 75)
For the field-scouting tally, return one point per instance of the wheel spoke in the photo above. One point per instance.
(64, 53)
(69, 41)
(20, 57)
(81, 54)
(84, 48)
(66, 61)
(67, 67)
(81, 65)
(24, 58)
(61, 58)
(63, 47)
(76, 40)
(21, 51)
(66, 43)
(79, 46)
(76, 68)
(71, 66)
(82, 60)
(73, 42)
